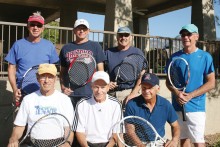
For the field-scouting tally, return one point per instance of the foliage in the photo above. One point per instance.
(52, 34)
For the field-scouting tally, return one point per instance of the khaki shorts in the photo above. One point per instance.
(120, 95)
(194, 127)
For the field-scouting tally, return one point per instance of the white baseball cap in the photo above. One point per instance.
(81, 22)
(101, 75)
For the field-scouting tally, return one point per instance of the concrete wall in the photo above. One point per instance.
(212, 123)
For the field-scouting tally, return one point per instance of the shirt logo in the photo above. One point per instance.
(148, 77)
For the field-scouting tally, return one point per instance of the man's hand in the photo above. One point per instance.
(183, 97)
(13, 142)
(171, 143)
(17, 95)
(66, 90)
(113, 85)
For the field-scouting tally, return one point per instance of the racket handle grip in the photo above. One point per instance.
(17, 104)
(184, 113)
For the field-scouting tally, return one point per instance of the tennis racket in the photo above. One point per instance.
(28, 85)
(136, 131)
(130, 68)
(50, 130)
(179, 75)
(81, 70)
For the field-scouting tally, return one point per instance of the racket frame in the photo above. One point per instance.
(183, 88)
(119, 127)
(123, 61)
(50, 114)
(14, 104)
(74, 60)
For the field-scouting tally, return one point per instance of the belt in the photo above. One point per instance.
(122, 89)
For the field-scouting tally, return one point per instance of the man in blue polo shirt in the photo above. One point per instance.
(154, 108)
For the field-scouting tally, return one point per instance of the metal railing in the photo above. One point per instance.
(156, 49)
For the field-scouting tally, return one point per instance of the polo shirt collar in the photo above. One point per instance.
(158, 101)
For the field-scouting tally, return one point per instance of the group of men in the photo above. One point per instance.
(96, 107)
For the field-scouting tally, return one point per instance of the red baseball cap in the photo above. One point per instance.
(36, 17)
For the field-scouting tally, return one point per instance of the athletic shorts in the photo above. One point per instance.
(194, 127)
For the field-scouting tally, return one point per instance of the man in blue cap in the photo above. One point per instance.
(114, 57)
(154, 108)
(202, 80)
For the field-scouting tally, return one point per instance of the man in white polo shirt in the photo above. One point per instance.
(97, 115)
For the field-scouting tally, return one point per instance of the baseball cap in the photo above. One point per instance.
(101, 75)
(190, 28)
(150, 78)
(81, 22)
(36, 17)
(47, 68)
(124, 30)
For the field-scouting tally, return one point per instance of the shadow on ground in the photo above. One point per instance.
(6, 117)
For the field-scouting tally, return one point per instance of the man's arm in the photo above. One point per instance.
(69, 141)
(81, 137)
(209, 85)
(12, 80)
(183, 98)
(100, 66)
(136, 89)
(16, 135)
(112, 140)
(63, 79)
(175, 135)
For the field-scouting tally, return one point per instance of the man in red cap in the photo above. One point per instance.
(28, 52)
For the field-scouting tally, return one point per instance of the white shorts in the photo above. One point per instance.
(194, 127)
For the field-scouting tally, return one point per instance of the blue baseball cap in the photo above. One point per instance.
(150, 78)
(124, 30)
(190, 28)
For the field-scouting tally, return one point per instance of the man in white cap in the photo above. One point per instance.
(71, 51)
(44, 101)
(202, 80)
(97, 115)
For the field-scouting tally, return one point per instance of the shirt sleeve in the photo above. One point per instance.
(80, 119)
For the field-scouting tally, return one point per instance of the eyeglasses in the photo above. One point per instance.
(34, 24)
(44, 77)
(123, 34)
(81, 27)
(186, 34)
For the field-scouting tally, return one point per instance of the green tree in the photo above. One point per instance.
(51, 33)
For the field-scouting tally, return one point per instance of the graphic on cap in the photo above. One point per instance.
(36, 17)
(81, 22)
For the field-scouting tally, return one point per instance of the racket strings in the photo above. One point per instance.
(47, 142)
(179, 74)
(131, 67)
(81, 70)
(138, 132)
(52, 130)
(77, 77)
(123, 74)
(29, 82)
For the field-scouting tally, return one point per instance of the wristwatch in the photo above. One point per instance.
(69, 142)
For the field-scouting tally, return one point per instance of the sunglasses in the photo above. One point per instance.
(123, 34)
(186, 34)
(33, 25)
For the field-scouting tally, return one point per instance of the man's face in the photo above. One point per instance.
(149, 91)
(100, 89)
(189, 39)
(47, 82)
(124, 39)
(35, 29)
(81, 31)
